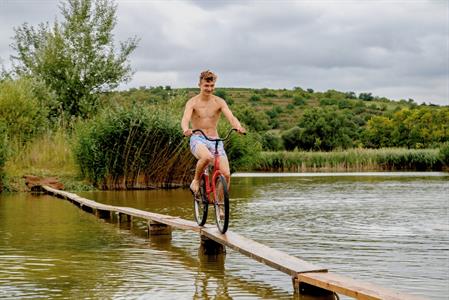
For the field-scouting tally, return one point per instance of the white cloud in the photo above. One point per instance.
(397, 49)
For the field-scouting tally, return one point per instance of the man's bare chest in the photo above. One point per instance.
(206, 110)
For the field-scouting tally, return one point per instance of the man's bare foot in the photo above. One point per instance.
(194, 187)
(221, 211)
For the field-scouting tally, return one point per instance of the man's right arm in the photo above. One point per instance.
(188, 110)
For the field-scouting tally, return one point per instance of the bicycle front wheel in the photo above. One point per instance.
(221, 204)
(200, 204)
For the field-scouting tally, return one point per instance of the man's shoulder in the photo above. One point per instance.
(219, 100)
(192, 100)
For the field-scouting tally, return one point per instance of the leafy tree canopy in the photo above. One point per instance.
(77, 57)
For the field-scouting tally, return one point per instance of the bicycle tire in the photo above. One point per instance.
(201, 205)
(221, 204)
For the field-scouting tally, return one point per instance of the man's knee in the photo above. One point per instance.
(206, 159)
(203, 154)
(226, 174)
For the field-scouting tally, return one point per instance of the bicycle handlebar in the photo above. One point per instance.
(215, 140)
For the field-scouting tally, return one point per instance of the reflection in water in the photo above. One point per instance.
(46, 248)
(392, 231)
(210, 279)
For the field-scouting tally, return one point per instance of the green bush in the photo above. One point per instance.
(21, 110)
(292, 138)
(327, 101)
(298, 100)
(272, 142)
(253, 119)
(220, 93)
(243, 151)
(254, 98)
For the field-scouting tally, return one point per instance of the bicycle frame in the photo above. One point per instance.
(210, 188)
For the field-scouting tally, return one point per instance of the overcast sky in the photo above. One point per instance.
(396, 49)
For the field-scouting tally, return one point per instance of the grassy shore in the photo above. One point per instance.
(49, 155)
(388, 159)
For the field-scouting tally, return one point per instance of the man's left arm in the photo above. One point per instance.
(231, 118)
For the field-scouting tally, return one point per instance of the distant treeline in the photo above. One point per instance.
(321, 121)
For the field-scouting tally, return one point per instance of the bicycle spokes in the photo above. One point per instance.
(221, 204)
(200, 204)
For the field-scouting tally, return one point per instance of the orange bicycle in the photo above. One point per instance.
(213, 190)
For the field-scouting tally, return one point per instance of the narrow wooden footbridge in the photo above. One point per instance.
(306, 277)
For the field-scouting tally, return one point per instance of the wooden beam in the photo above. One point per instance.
(264, 254)
(350, 287)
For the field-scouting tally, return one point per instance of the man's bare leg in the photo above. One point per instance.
(204, 159)
(224, 168)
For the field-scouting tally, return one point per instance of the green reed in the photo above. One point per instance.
(3, 150)
(134, 147)
(352, 160)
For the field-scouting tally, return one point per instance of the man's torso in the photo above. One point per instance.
(206, 114)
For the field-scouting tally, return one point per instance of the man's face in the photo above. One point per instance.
(207, 87)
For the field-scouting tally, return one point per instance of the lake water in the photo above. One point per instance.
(390, 229)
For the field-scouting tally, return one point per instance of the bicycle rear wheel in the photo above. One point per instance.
(200, 204)
(221, 204)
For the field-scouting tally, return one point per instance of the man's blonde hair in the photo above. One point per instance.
(208, 76)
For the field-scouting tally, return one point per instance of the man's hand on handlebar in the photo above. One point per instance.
(188, 132)
(241, 130)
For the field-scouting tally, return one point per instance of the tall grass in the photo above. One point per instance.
(3, 152)
(444, 154)
(48, 154)
(351, 160)
(133, 147)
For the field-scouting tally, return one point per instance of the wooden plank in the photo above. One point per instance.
(175, 222)
(274, 258)
(139, 213)
(351, 287)
(164, 219)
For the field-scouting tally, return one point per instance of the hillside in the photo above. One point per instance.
(310, 120)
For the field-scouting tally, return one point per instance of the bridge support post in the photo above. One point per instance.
(102, 214)
(121, 217)
(305, 289)
(156, 228)
(211, 247)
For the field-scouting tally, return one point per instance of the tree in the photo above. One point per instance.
(366, 96)
(22, 110)
(253, 119)
(326, 129)
(76, 58)
(378, 132)
(292, 138)
(272, 142)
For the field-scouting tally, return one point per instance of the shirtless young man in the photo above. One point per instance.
(203, 112)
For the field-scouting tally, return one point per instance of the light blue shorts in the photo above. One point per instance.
(196, 140)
